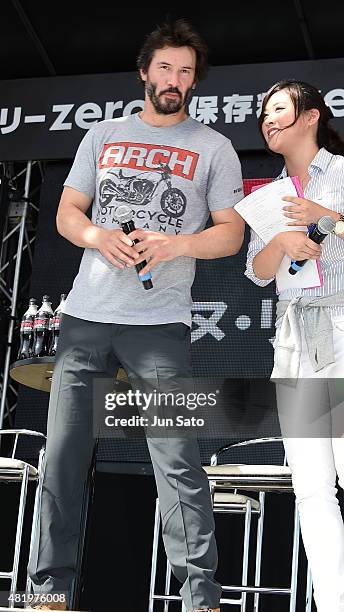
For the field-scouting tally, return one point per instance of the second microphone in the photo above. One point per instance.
(324, 227)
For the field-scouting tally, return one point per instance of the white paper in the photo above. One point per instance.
(307, 277)
(263, 209)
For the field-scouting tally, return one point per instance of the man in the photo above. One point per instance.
(177, 170)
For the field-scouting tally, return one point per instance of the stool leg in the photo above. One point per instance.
(309, 590)
(36, 513)
(154, 556)
(295, 561)
(248, 516)
(167, 583)
(259, 548)
(17, 546)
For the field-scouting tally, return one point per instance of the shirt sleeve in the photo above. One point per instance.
(82, 175)
(225, 186)
(256, 244)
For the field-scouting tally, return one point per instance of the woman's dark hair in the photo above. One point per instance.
(178, 33)
(305, 97)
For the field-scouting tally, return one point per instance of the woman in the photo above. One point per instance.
(310, 325)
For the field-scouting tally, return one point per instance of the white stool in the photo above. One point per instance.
(223, 502)
(225, 481)
(261, 478)
(13, 469)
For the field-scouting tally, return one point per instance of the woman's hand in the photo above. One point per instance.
(304, 212)
(298, 246)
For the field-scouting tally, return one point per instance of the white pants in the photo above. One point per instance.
(312, 424)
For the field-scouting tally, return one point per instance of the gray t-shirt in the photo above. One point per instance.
(171, 178)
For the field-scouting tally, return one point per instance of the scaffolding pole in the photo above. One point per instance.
(14, 295)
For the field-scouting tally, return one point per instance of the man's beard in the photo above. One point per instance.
(168, 106)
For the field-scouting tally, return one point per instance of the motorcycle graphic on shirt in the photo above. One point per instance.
(139, 190)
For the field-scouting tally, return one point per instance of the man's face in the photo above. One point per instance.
(170, 78)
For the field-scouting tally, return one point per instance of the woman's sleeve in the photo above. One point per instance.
(254, 247)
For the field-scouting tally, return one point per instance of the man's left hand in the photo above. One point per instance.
(304, 212)
(154, 247)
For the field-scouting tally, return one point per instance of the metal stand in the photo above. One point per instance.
(16, 246)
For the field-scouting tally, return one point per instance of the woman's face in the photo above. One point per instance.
(279, 113)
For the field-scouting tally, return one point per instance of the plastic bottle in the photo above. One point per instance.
(55, 325)
(41, 328)
(26, 331)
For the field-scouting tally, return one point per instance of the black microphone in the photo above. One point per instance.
(124, 216)
(318, 233)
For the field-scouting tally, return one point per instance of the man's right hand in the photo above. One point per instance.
(116, 247)
(298, 246)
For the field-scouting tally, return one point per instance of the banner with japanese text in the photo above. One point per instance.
(45, 118)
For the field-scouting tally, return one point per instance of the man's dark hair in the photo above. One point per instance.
(179, 33)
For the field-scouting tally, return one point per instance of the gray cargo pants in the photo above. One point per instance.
(88, 349)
